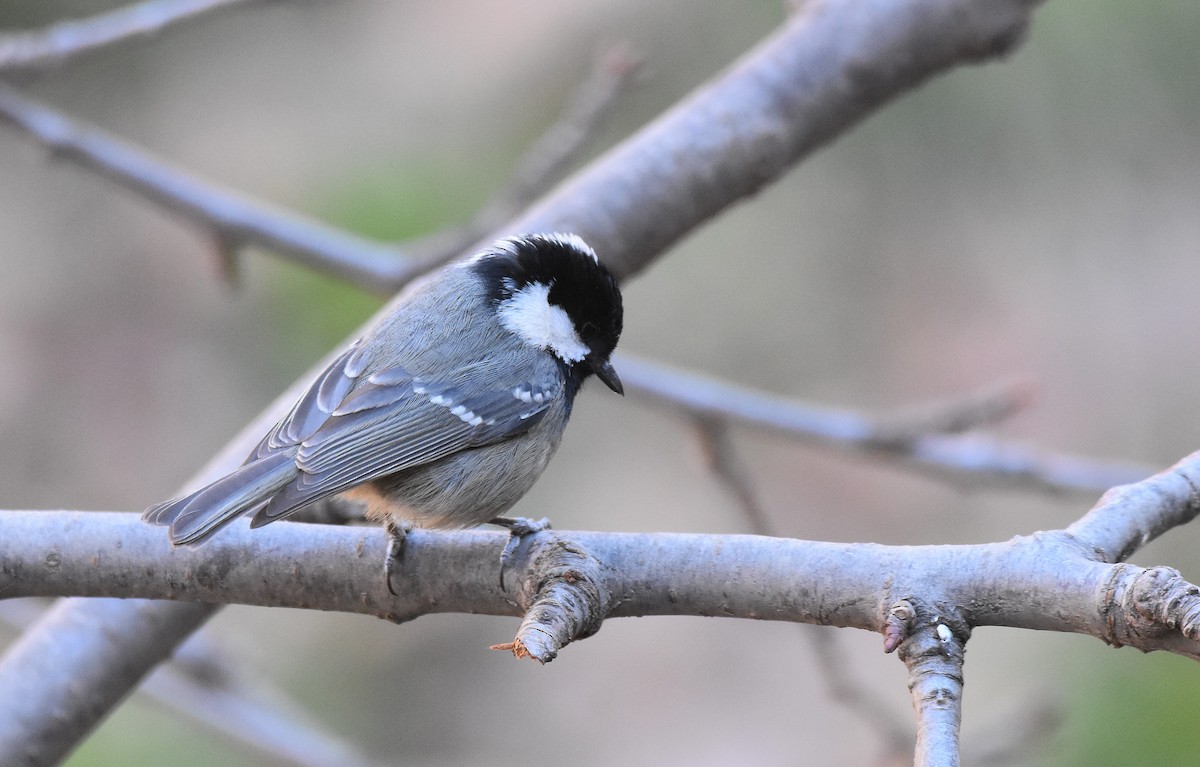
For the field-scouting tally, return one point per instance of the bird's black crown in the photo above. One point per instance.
(578, 282)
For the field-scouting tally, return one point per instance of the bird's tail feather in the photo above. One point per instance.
(195, 517)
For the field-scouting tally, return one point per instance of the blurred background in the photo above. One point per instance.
(1036, 216)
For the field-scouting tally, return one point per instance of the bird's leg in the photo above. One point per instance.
(397, 535)
(377, 507)
(518, 528)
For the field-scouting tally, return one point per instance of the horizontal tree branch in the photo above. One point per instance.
(67, 39)
(1046, 581)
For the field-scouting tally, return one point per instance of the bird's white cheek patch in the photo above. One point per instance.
(531, 316)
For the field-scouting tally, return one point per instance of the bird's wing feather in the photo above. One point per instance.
(391, 421)
(314, 406)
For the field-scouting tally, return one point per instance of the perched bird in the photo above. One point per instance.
(447, 410)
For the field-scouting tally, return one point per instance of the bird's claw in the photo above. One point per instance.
(397, 535)
(518, 528)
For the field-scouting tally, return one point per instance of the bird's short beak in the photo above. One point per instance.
(606, 373)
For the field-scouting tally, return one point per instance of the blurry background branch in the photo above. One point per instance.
(923, 438)
(65, 40)
(204, 684)
(835, 669)
(547, 159)
(236, 221)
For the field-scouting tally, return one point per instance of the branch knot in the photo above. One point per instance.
(1148, 603)
(565, 598)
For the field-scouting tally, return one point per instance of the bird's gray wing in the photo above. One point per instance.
(350, 429)
(315, 406)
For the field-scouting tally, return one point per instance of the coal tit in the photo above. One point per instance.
(447, 410)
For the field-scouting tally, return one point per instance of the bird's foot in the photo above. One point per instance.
(518, 528)
(397, 535)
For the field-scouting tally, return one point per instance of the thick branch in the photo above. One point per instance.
(212, 689)
(831, 66)
(102, 670)
(55, 44)
(1044, 581)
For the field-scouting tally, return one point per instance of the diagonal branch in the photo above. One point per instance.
(56, 44)
(833, 64)
(1130, 516)
(234, 220)
(727, 466)
(254, 718)
(211, 689)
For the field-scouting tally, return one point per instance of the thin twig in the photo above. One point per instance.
(1021, 735)
(843, 686)
(65, 40)
(725, 463)
(964, 459)
(262, 719)
(233, 219)
(547, 159)
(989, 405)
(831, 664)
